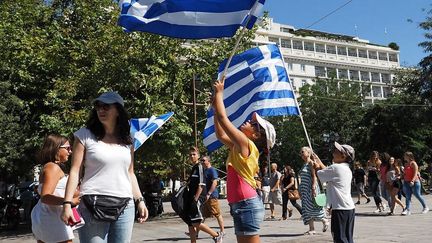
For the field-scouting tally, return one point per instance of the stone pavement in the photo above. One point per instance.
(369, 228)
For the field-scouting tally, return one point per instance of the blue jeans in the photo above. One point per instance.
(247, 215)
(409, 190)
(96, 231)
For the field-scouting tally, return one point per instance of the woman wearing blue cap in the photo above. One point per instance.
(103, 149)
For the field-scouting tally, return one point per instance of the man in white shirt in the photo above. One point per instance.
(338, 177)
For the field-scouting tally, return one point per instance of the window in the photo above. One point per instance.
(298, 45)
(376, 91)
(331, 72)
(342, 50)
(320, 71)
(365, 90)
(393, 58)
(285, 43)
(354, 74)
(387, 92)
(364, 76)
(372, 54)
(331, 49)
(362, 53)
(275, 40)
(319, 48)
(304, 82)
(386, 78)
(375, 77)
(352, 52)
(290, 66)
(309, 46)
(343, 73)
(382, 56)
(303, 67)
(284, 29)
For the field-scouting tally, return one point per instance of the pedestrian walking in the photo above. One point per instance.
(289, 184)
(211, 206)
(242, 165)
(103, 150)
(374, 164)
(395, 185)
(194, 198)
(338, 177)
(45, 216)
(411, 184)
(308, 189)
(359, 179)
(275, 196)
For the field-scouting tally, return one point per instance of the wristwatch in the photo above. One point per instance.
(140, 199)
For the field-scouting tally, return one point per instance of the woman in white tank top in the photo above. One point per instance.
(46, 223)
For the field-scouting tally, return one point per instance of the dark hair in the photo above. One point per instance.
(50, 147)
(385, 160)
(122, 127)
(374, 154)
(261, 141)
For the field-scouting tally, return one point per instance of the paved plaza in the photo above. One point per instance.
(369, 228)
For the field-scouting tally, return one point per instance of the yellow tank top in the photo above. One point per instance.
(245, 167)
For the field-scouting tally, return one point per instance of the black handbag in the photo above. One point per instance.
(105, 208)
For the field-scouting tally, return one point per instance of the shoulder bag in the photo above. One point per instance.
(293, 194)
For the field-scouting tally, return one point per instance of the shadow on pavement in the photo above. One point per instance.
(371, 214)
(280, 235)
(168, 239)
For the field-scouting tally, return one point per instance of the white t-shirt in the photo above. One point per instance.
(338, 177)
(105, 166)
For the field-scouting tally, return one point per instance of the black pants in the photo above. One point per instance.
(285, 204)
(374, 187)
(342, 225)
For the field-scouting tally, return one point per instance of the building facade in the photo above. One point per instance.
(310, 54)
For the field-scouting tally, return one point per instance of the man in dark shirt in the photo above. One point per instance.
(194, 198)
(211, 205)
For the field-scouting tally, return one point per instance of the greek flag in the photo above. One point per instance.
(189, 19)
(142, 128)
(256, 81)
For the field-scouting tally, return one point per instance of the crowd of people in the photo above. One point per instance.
(100, 194)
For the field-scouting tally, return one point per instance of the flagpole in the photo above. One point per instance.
(238, 40)
(296, 102)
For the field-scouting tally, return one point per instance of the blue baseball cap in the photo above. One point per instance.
(110, 97)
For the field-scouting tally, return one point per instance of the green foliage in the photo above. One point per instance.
(57, 56)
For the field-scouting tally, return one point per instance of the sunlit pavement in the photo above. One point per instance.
(370, 227)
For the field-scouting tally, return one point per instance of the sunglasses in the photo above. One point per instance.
(103, 106)
(67, 147)
(256, 124)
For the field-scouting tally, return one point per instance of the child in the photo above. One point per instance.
(242, 165)
(338, 177)
(360, 179)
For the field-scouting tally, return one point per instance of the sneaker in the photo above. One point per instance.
(358, 203)
(406, 212)
(378, 210)
(425, 210)
(290, 212)
(218, 239)
(368, 201)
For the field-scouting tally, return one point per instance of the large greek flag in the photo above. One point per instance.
(142, 128)
(256, 81)
(189, 19)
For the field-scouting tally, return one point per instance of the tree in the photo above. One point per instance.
(57, 56)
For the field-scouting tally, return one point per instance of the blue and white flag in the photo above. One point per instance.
(189, 19)
(142, 128)
(256, 81)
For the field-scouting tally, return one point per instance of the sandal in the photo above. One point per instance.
(310, 232)
(325, 225)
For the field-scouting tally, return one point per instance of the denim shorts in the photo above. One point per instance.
(248, 216)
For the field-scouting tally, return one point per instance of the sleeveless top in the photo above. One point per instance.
(409, 173)
(241, 183)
